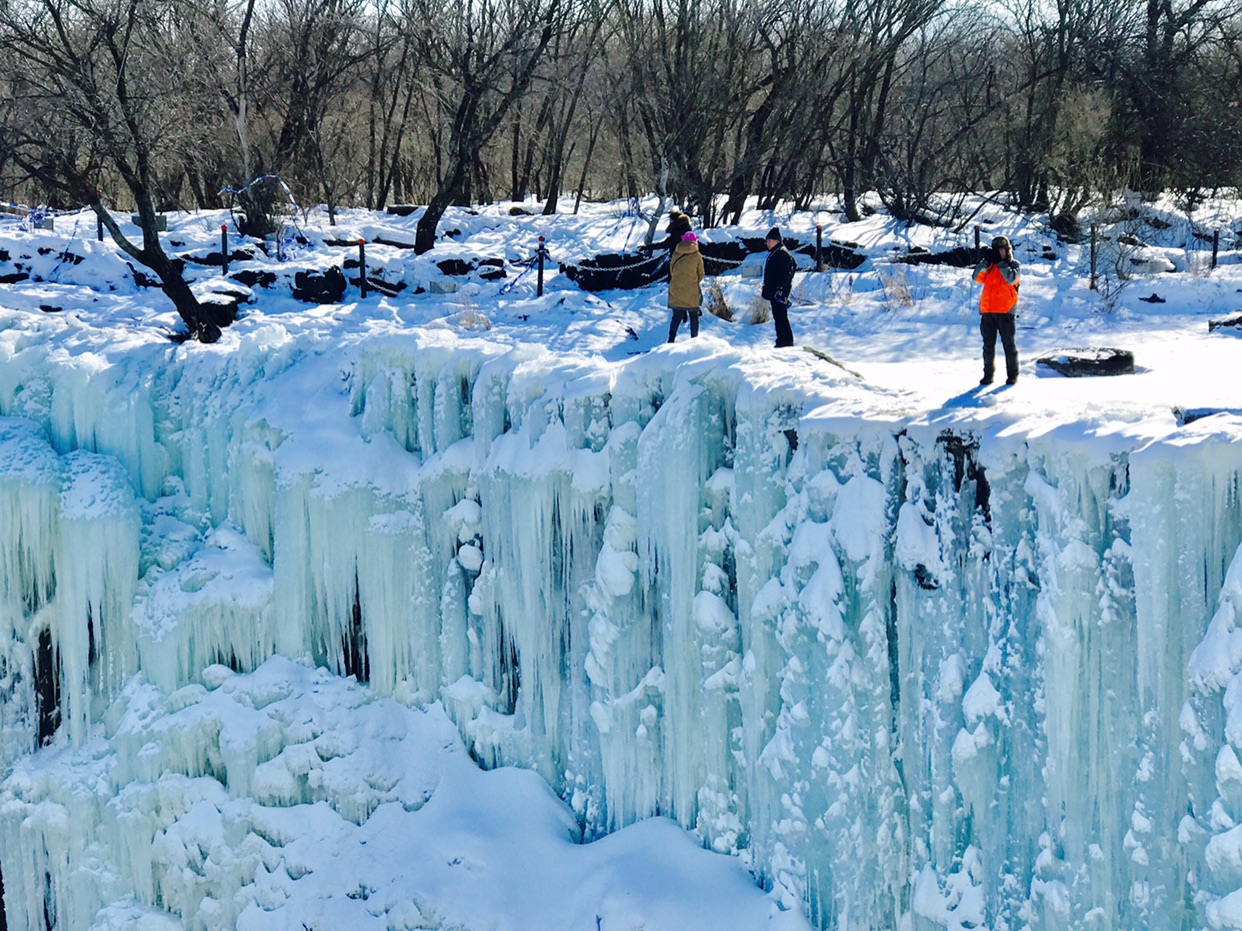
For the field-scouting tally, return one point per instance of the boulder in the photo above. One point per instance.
(958, 257)
(455, 266)
(1081, 363)
(252, 278)
(326, 287)
(618, 270)
(1185, 415)
(1231, 322)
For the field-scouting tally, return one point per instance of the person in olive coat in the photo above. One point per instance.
(685, 272)
(778, 275)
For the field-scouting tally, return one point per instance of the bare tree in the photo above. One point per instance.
(479, 57)
(92, 95)
(389, 74)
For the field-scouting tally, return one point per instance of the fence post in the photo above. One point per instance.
(362, 266)
(1215, 245)
(977, 249)
(539, 286)
(1093, 287)
(224, 249)
(819, 247)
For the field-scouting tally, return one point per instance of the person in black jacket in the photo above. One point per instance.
(778, 274)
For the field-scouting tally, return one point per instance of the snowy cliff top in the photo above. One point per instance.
(894, 340)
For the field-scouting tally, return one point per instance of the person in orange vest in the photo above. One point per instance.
(1000, 275)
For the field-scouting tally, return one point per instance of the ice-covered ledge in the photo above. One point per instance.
(941, 665)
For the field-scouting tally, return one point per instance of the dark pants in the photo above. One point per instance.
(992, 325)
(679, 317)
(780, 317)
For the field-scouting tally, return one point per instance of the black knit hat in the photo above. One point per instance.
(775, 233)
(678, 223)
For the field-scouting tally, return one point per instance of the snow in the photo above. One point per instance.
(741, 637)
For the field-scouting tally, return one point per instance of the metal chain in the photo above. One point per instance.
(509, 285)
(614, 268)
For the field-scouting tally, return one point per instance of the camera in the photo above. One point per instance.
(991, 255)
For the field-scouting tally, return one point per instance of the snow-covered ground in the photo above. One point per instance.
(910, 330)
(739, 587)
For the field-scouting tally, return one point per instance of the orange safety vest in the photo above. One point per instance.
(999, 296)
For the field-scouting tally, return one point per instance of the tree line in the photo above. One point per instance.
(165, 104)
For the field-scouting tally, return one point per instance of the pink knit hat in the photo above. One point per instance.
(689, 237)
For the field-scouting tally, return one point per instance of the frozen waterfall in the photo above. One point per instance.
(916, 672)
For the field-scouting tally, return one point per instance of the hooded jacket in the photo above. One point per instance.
(685, 271)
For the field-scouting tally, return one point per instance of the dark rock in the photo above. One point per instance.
(50, 308)
(494, 275)
(251, 278)
(142, 279)
(401, 210)
(1079, 363)
(326, 287)
(627, 271)
(1154, 299)
(719, 257)
(958, 257)
(519, 212)
(221, 305)
(216, 259)
(396, 244)
(927, 581)
(755, 244)
(388, 289)
(455, 266)
(1065, 225)
(1185, 415)
(835, 255)
(221, 312)
(47, 687)
(66, 256)
(13, 278)
(1233, 321)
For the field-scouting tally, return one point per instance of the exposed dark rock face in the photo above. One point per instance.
(1231, 322)
(326, 287)
(1080, 363)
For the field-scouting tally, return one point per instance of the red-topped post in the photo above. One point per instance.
(539, 286)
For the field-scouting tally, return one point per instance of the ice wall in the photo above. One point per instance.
(918, 672)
